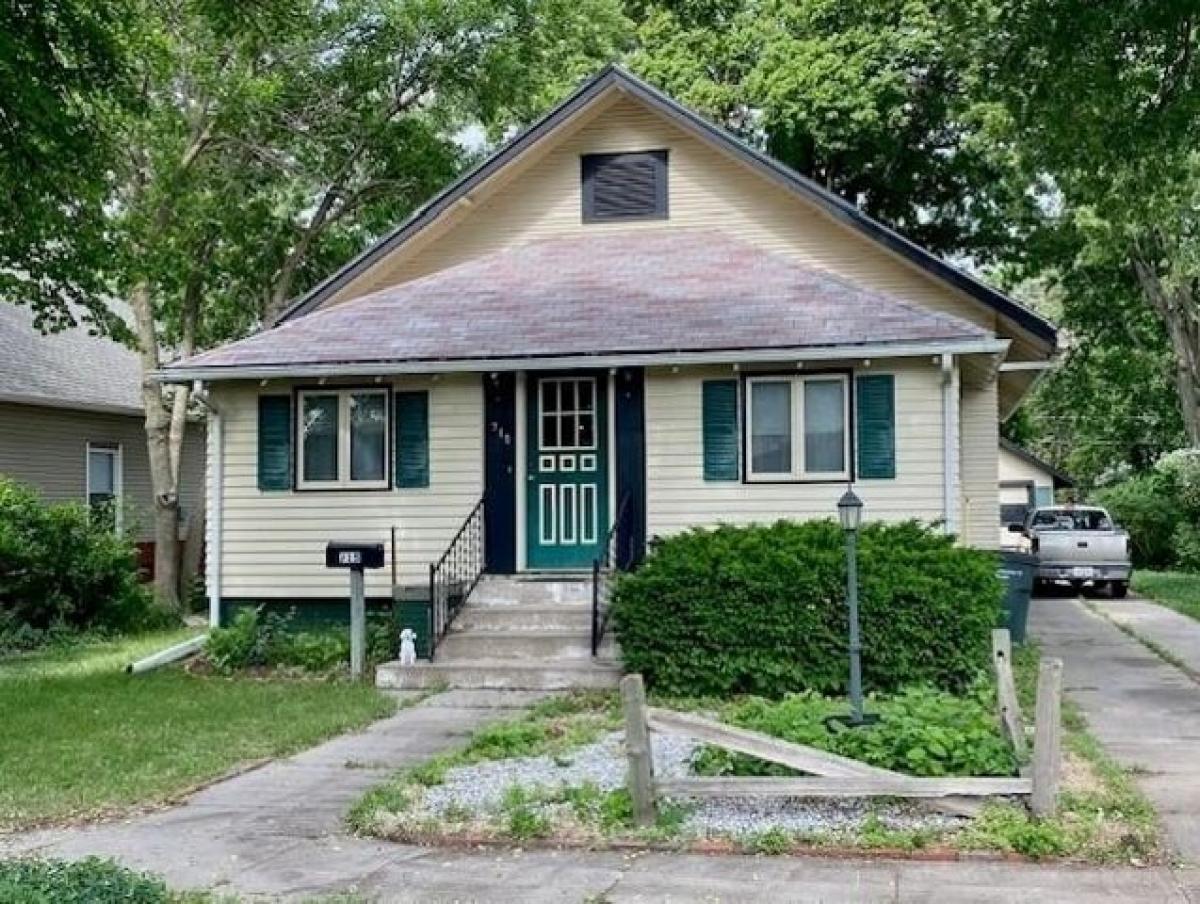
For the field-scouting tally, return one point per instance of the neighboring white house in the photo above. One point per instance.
(623, 311)
(71, 425)
(1025, 481)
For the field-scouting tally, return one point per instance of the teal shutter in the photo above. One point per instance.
(876, 398)
(1043, 496)
(720, 412)
(275, 442)
(412, 439)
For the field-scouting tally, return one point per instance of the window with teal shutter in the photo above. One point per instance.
(720, 416)
(275, 442)
(412, 439)
(876, 403)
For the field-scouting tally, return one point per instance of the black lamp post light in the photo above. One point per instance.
(850, 509)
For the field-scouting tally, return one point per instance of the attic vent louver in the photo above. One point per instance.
(625, 186)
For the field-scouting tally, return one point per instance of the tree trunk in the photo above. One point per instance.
(160, 438)
(1179, 309)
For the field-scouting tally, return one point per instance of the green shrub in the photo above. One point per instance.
(762, 610)
(1144, 507)
(258, 637)
(1185, 544)
(60, 567)
(921, 732)
(90, 881)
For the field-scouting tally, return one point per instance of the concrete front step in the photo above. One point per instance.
(532, 590)
(500, 674)
(536, 644)
(560, 617)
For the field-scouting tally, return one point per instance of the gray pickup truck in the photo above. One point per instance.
(1079, 545)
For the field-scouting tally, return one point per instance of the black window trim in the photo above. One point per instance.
(587, 169)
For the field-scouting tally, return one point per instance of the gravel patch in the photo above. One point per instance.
(480, 789)
(747, 815)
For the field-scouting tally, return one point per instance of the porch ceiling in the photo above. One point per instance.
(644, 291)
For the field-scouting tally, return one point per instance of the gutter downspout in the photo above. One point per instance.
(216, 496)
(950, 436)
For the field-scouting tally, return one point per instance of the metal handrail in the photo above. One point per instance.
(453, 576)
(604, 567)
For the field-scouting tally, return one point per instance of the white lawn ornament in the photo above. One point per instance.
(408, 647)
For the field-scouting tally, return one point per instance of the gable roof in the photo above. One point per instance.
(1061, 480)
(69, 369)
(656, 294)
(613, 77)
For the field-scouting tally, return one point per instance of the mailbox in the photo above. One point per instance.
(354, 555)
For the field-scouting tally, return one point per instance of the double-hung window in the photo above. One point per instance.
(797, 427)
(104, 479)
(343, 439)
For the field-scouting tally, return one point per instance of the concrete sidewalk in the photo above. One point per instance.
(1166, 629)
(1144, 711)
(277, 833)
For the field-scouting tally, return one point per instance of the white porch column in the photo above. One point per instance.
(950, 443)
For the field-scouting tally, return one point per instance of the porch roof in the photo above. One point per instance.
(608, 294)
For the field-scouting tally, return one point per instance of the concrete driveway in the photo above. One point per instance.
(1145, 711)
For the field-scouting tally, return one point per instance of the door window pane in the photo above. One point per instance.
(549, 431)
(824, 426)
(368, 436)
(771, 428)
(587, 431)
(320, 424)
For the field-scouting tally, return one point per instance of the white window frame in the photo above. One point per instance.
(798, 472)
(118, 455)
(343, 481)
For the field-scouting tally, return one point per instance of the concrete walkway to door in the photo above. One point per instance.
(1143, 710)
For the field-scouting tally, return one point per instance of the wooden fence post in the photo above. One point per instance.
(1047, 738)
(637, 748)
(1006, 692)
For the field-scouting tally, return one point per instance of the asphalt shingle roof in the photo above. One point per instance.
(608, 293)
(69, 369)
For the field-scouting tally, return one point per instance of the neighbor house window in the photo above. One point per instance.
(104, 479)
(629, 186)
(343, 438)
(797, 427)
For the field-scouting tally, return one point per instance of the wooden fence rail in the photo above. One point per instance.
(830, 775)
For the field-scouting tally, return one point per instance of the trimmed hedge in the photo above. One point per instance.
(761, 610)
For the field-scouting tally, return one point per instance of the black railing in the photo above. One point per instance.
(454, 576)
(604, 567)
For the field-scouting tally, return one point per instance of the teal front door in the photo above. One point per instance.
(566, 502)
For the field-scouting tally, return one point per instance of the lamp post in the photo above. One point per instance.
(850, 514)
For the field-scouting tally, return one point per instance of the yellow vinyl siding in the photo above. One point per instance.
(979, 455)
(274, 542)
(539, 198)
(678, 496)
(1013, 467)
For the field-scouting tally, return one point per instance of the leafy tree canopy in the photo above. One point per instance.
(877, 100)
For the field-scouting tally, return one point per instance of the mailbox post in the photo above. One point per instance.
(356, 557)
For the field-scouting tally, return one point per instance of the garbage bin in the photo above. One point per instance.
(1017, 570)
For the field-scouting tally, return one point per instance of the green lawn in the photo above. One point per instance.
(80, 738)
(1175, 589)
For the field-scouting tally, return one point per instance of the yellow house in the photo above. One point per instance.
(624, 318)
